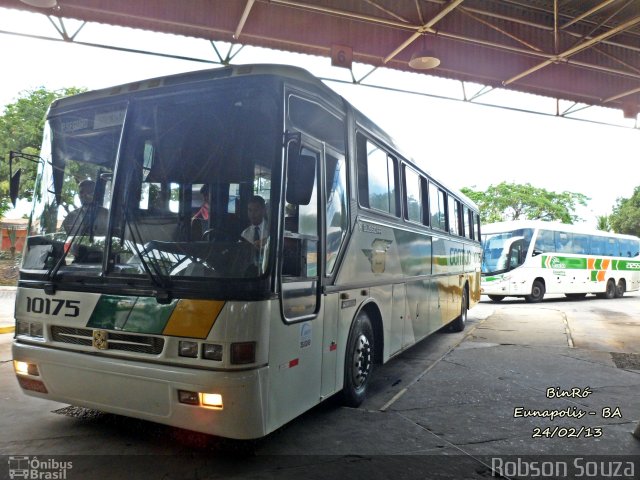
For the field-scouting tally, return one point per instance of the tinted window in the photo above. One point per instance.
(437, 207)
(454, 216)
(316, 121)
(376, 177)
(413, 193)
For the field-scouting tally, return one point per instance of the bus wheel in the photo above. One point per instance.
(537, 292)
(620, 289)
(459, 323)
(610, 292)
(358, 362)
(497, 298)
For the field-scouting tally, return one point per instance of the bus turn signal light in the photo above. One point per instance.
(243, 353)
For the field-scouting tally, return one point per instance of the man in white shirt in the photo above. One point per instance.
(258, 232)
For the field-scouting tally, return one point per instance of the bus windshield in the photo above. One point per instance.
(158, 187)
(495, 248)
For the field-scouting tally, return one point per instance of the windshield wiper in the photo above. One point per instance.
(158, 279)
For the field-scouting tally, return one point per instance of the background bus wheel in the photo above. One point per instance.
(620, 289)
(537, 292)
(459, 323)
(496, 298)
(610, 292)
(358, 362)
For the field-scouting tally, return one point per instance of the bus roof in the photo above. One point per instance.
(499, 227)
(284, 71)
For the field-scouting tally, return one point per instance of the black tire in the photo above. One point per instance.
(460, 321)
(575, 296)
(610, 292)
(358, 362)
(497, 298)
(620, 289)
(537, 292)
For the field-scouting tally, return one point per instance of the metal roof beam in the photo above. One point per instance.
(588, 13)
(573, 50)
(427, 27)
(243, 19)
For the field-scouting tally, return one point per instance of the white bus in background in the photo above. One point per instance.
(151, 307)
(531, 258)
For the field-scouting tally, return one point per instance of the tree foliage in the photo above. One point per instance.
(625, 217)
(21, 126)
(511, 201)
(603, 223)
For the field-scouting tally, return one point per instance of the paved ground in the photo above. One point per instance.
(454, 406)
(7, 297)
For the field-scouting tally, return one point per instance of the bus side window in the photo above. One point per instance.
(437, 207)
(468, 220)
(413, 195)
(454, 216)
(545, 241)
(336, 227)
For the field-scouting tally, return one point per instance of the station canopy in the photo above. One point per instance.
(583, 51)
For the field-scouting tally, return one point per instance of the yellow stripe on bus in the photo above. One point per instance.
(193, 318)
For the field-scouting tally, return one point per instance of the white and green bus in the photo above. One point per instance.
(142, 294)
(530, 258)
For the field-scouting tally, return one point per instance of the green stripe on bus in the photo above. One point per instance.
(564, 262)
(131, 314)
(627, 265)
(594, 275)
(551, 261)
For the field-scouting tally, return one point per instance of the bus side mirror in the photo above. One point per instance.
(14, 186)
(535, 253)
(301, 171)
(301, 175)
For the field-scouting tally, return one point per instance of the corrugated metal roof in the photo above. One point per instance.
(587, 51)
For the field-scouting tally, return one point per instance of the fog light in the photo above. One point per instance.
(32, 384)
(213, 400)
(190, 398)
(24, 368)
(188, 349)
(211, 351)
(242, 353)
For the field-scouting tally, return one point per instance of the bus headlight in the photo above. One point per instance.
(211, 351)
(213, 400)
(29, 329)
(24, 368)
(188, 349)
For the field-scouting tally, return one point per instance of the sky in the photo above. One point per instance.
(462, 144)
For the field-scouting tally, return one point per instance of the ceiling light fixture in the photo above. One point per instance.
(424, 59)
